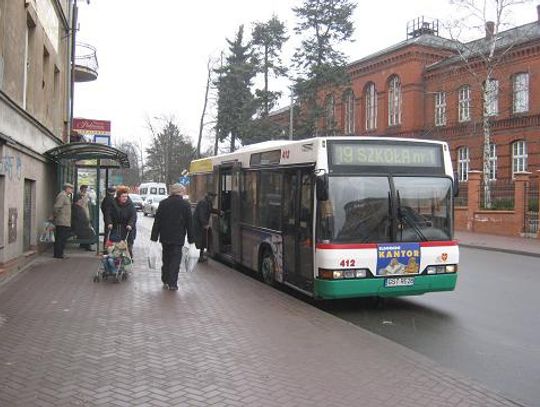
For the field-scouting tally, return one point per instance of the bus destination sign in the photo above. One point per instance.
(386, 154)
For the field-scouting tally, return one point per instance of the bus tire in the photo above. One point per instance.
(268, 267)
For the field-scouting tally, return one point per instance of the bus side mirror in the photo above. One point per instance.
(322, 187)
(456, 185)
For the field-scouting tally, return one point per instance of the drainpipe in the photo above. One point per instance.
(74, 19)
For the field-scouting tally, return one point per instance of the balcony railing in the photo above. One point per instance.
(86, 63)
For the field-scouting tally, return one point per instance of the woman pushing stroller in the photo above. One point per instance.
(121, 218)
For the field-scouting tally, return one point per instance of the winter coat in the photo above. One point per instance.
(62, 210)
(120, 216)
(201, 218)
(172, 221)
(106, 204)
(80, 224)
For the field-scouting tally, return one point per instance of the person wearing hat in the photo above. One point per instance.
(106, 205)
(201, 224)
(171, 224)
(62, 220)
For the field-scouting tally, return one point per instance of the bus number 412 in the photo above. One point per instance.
(347, 263)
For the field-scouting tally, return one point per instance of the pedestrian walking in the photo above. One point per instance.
(80, 223)
(121, 218)
(201, 225)
(171, 223)
(62, 220)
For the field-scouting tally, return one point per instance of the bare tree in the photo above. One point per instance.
(210, 69)
(482, 58)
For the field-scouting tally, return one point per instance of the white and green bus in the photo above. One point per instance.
(337, 217)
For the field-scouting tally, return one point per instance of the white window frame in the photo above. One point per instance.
(464, 95)
(491, 97)
(463, 162)
(492, 162)
(371, 107)
(520, 91)
(519, 156)
(394, 101)
(349, 112)
(440, 109)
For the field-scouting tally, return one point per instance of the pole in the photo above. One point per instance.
(291, 114)
(74, 19)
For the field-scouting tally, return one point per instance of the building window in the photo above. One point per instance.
(440, 109)
(519, 157)
(330, 110)
(464, 103)
(349, 112)
(463, 163)
(394, 101)
(492, 162)
(371, 106)
(491, 100)
(520, 87)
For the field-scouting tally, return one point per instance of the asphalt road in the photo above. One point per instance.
(487, 329)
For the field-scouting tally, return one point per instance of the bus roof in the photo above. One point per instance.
(304, 150)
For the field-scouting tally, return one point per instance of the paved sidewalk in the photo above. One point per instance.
(224, 339)
(507, 244)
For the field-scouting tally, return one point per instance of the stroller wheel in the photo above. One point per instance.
(124, 276)
(96, 279)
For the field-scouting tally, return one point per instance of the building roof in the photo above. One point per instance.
(428, 40)
(504, 41)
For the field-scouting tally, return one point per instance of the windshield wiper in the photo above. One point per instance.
(405, 215)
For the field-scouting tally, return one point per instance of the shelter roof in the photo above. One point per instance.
(112, 157)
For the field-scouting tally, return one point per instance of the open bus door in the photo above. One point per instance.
(227, 205)
(298, 228)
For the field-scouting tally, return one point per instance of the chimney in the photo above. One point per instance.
(538, 11)
(490, 29)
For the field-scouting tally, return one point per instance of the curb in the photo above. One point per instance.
(497, 249)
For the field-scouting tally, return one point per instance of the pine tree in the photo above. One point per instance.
(325, 24)
(236, 103)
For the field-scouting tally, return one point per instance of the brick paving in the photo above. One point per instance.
(224, 339)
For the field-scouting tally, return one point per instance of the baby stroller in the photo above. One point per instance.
(116, 262)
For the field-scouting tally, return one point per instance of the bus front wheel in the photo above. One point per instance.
(268, 267)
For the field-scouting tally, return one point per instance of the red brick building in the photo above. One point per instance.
(422, 87)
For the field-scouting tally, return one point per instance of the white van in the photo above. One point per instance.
(152, 188)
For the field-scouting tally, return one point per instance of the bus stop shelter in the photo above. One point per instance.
(71, 157)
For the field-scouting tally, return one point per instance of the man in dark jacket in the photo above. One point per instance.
(171, 223)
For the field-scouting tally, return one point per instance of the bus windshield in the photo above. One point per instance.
(381, 209)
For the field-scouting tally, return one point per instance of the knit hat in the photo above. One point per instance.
(111, 190)
(177, 189)
(68, 185)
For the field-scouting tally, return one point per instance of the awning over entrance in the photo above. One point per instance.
(90, 151)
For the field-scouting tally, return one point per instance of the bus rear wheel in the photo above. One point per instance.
(267, 268)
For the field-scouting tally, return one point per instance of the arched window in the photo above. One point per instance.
(520, 90)
(370, 96)
(463, 163)
(464, 103)
(348, 102)
(491, 97)
(519, 157)
(394, 101)
(330, 113)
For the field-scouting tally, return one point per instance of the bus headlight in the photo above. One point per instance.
(441, 269)
(342, 274)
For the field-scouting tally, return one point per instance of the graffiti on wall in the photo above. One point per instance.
(11, 166)
(12, 225)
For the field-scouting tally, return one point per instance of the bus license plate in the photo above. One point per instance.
(399, 282)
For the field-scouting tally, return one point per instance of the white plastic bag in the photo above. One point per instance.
(189, 258)
(47, 236)
(154, 255)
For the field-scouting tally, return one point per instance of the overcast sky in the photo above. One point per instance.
(153, 53)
